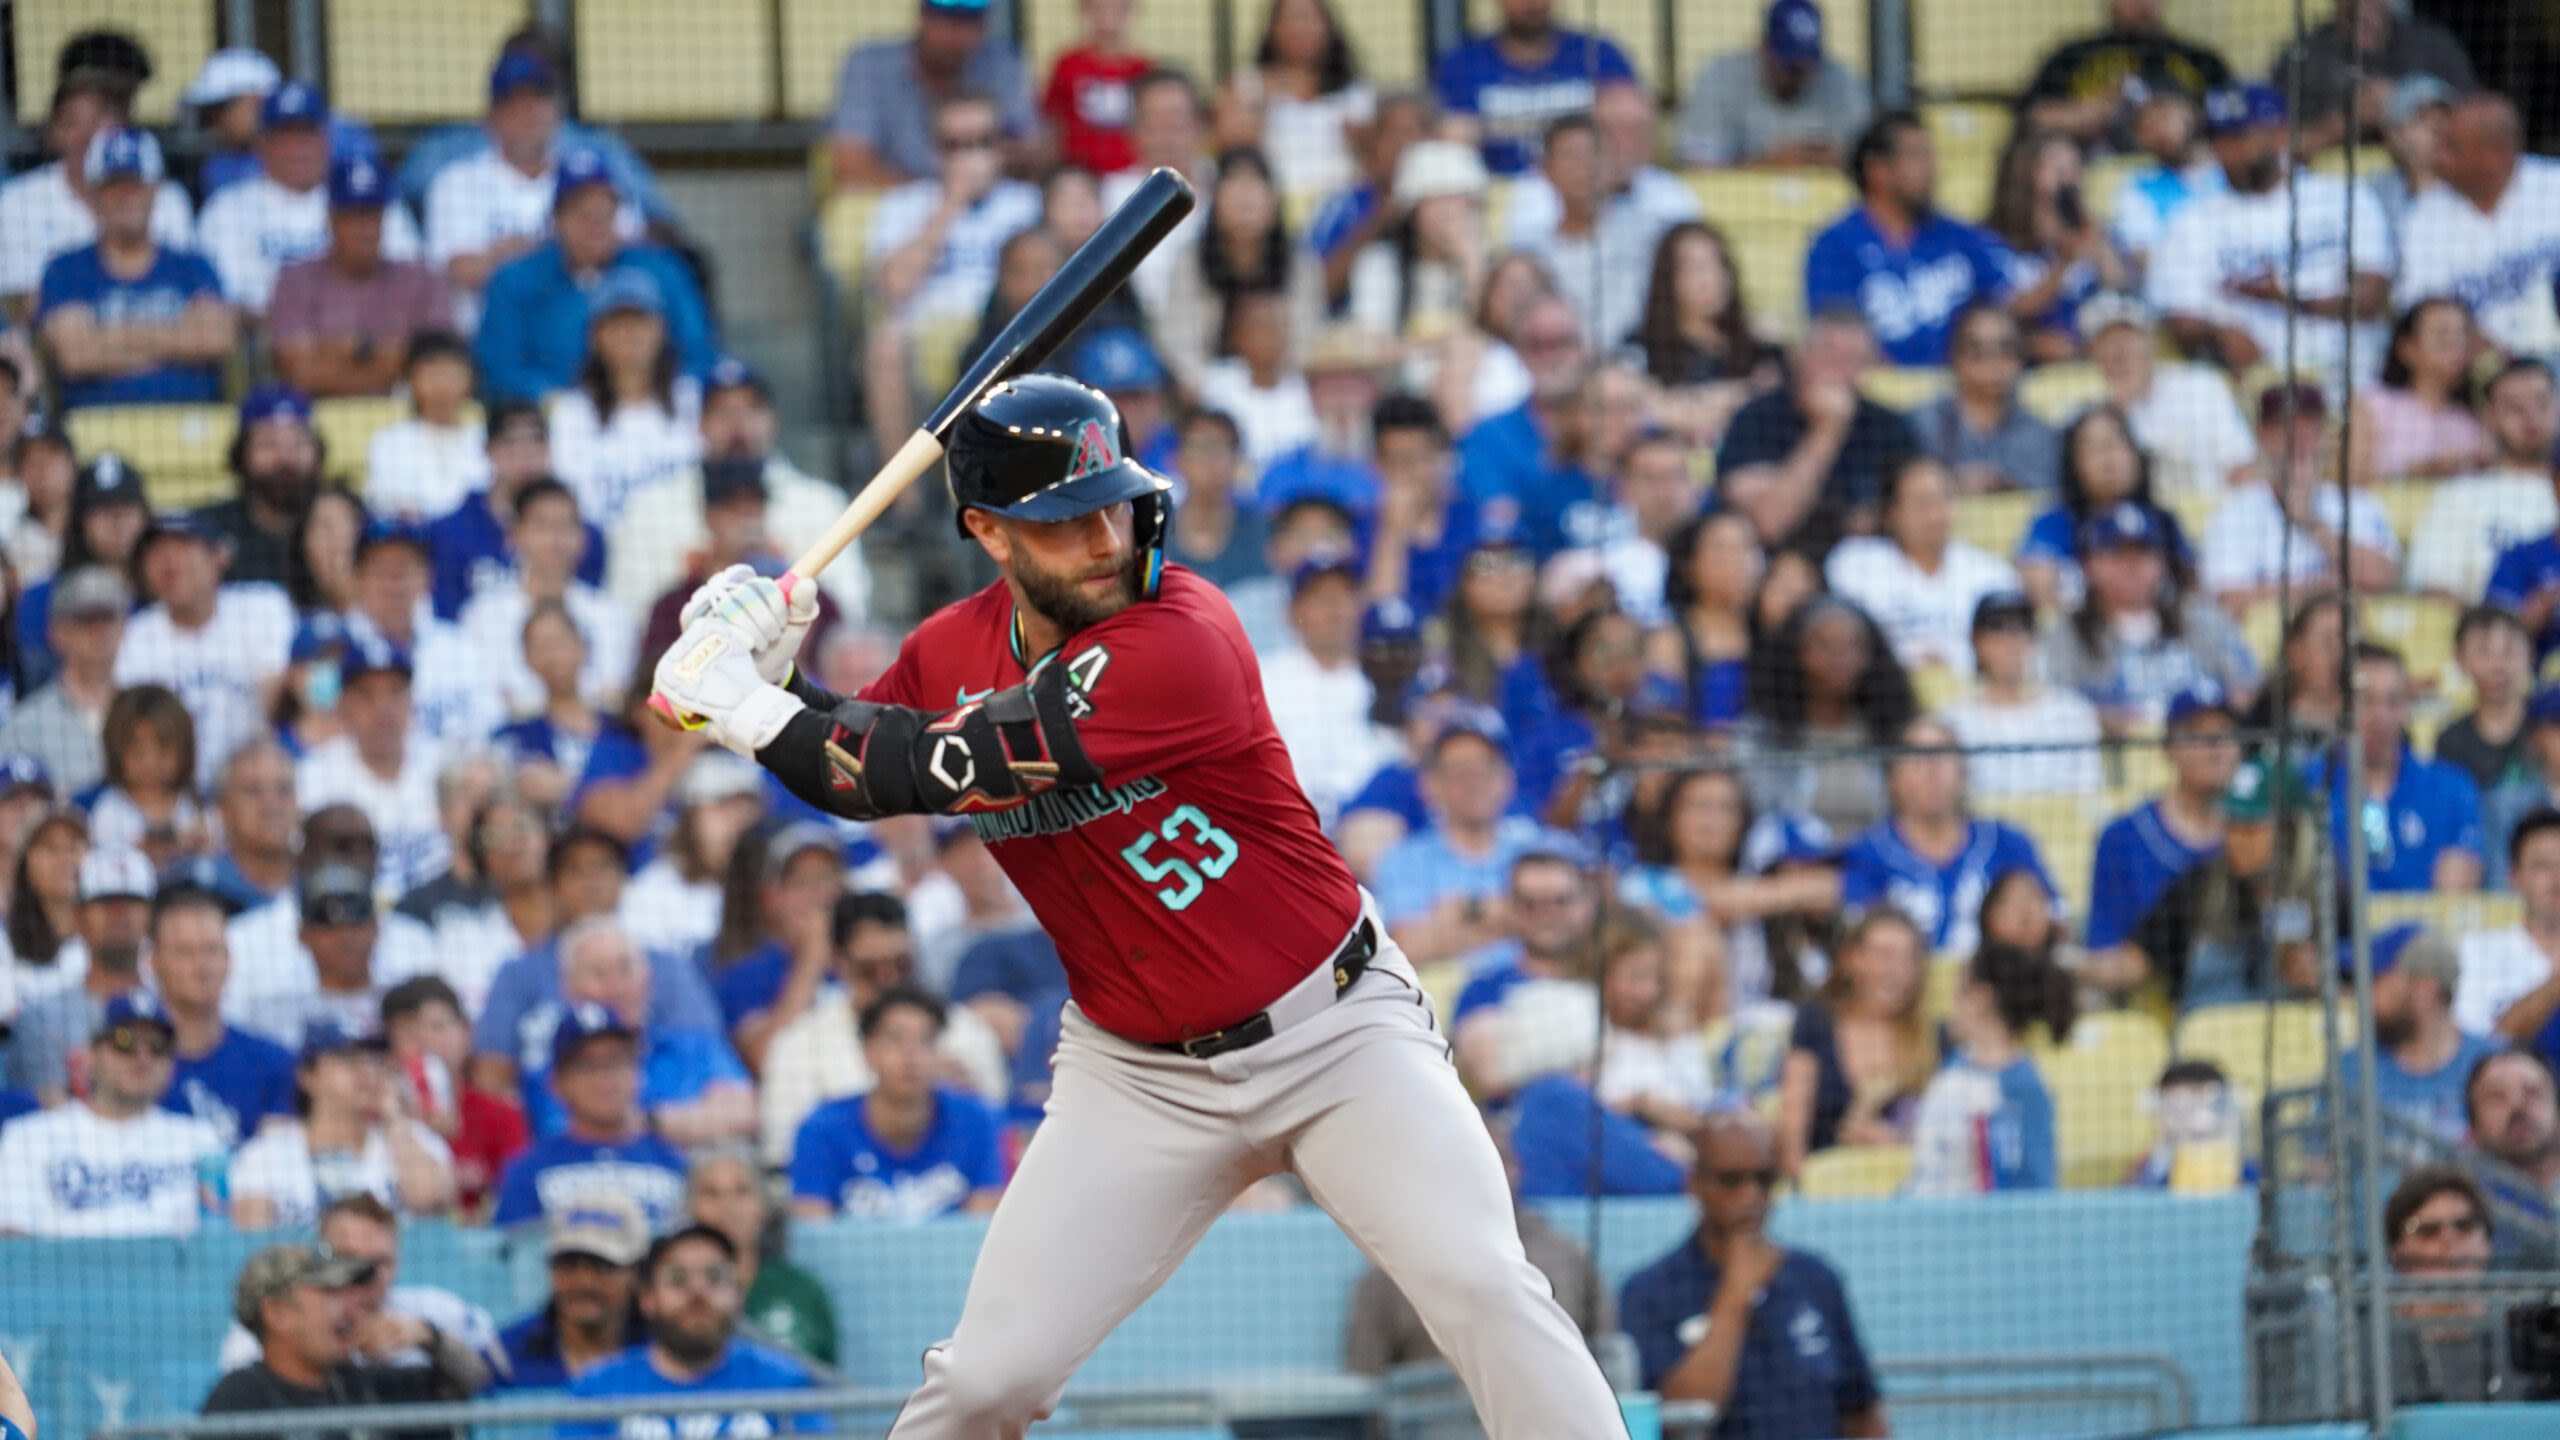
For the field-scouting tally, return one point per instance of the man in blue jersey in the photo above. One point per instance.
(2141, 854)
(607, 1144)
(1506, 87)
(2422, 1058)
(1441, 885)
(128, 321)
(597, 1243)
(691, 1084)
(1908, 268)
(2421, 818)
(907, 1150)
(1928, 858)
(229, 1078)
(690, 1292)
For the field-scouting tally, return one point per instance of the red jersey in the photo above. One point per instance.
(1193, 886)
(1089, 100)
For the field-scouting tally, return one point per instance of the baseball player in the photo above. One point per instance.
(1237, 1008)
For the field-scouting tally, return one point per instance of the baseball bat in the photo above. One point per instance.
(1101, 265)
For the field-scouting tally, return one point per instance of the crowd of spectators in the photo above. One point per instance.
(1639, 656)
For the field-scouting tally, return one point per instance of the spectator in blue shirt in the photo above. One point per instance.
(1929, 858)
(1436, 887)
(691, 1084)
(1986, 1122)
(597, 1240)
(533, 329)
(1762, 1333)
(467, 546)
(226, 1077)
(690, 1292)
(2422, 1058)
(2527, 581)
(607, 1143)
(772, 948)
(1908, 268)
(1352, 217)
(1522, 469)
(907, 1150)
(2421, 818)
(1506, 87)
(130, 322)
(2142, 853)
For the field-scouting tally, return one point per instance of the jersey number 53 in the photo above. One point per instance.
(1214, 851)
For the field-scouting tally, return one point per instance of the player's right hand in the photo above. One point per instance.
(709, 679)
(756, 608)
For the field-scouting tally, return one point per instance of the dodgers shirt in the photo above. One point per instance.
(1803, 1369)
(234, 1086)
(558, 1169)
(2138, 858)
(70, 1173)
(1512, 104)
(1945, 901)
(747, 1369)
(2432, 808)
(838, 1160)
(156, 297)
(1909, 293)
(2522, 570)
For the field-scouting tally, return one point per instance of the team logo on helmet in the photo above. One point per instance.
(1094, 452)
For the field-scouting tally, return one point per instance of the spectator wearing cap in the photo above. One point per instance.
(61, 725)
(606, 1141)
(109, 1162)
(2492, 742)
(1122, 364)
(1784, 104)
(345, 314)
(290, 210)
(2133, 642)
(467, 545)
(909, 1148)
(2422, 1058)
(1214, 532)
(2142, 853)
(1500, 91)
(538, 111)
(632, 419)
(300, 1304)
(2088, 85)
(2344, 70)
(128, 318)
(452, 697)
(2421, 817)
(227, 1077)
(2237, 927)
(382, 765)
(771, 951)
(2184, 422)
(2490, 234)
(354, 1134)
(548, 542)
(1894, 257)
(692, 1294)
(1931, 858)
(421, 466)
(593, 1312)
(1978, 428)
(691, 1084)
(276, 456)
(540, 306)
(1919, 583)
(2020, 735)
(1320, 697)
(2223, 273)
(2102, 467)
(227, 97)
(1418, 275)
(1806, 462)
(109, 513)
(2282, 533)
(392, 1325)
(99, 964)
(1440, 887)
(50, 211)
(881, 131)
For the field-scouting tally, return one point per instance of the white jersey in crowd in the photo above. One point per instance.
(2190, 424)
(677, 915)
(818, 1057)
(2252, 544)
(115, 820)
(70, 965)
(647, 550)
(272, 977)
(419, 472)
(471, 944)
(1272, 420)
(216, 669)
(253, 228)
(449, 1313)
(493, 623)
(2219, 239)
(450, 696)
(414, 848)
(2499, 968)
(1927, 618)
(277, 1165)
(69, 1172)
(2502, 264)
(1604, 273)
(603, 461)
(2055, 717)
(473, 204)
(1323, 718)
(964, 274)
(40, 218)
(2473, 520)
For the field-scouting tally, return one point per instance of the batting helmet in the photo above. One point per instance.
(1043, 447)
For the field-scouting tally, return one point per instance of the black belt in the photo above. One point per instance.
(1349, 964)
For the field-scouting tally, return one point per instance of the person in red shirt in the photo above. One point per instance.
(431, 1043)
(1237, 1009)
(1091, 89)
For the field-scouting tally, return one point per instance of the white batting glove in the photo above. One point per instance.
(756, 608)
(709, 678)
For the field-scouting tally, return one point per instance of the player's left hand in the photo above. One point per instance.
(757, 607)
(710, 677)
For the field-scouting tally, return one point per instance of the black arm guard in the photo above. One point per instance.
(863, 761)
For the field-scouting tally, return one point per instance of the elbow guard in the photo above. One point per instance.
(991, 754)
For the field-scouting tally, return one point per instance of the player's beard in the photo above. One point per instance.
(1063, 601)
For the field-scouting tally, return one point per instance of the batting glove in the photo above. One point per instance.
(756, 608)
(711, 680)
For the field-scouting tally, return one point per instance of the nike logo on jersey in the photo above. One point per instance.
(969, 697)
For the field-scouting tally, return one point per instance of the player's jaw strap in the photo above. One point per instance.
(863, 760)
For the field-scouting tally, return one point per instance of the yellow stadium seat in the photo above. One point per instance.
(2144, 771)
(1938, 687)
(2235, 1037)
(1634, 24)
(1182, 35)
(2420, 627)
(2453, 915)
(816, 34)
(2065, 829)
(1386, 39)
(672, 60)
(397, 61)
(1968, 137)
(1701, 31)
(1997, 522)
(1945, 978)
(2248, 33)
(2406, 502)
(1771, 265)
(2056, 394)
(1854, 1172)
(1497, 210)
(1978, 47)
(1754, 199)
(1905, 388)
(176, 34)
(2263, 628)
(346, 427)
(938, 344)
(844, 228)
(2097, 1078)
(2371, 160)
(2102, 183)
(2194, 510)
(1443, 981)
(178, 448)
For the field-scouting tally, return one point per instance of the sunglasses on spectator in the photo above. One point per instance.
(137, 1040)
(2459, 1226)
(1766, 1178)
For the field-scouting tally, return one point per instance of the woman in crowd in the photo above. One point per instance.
(2102, 467)
(1598, 678)
(305, 712)
(1986, 1122)
(44, 904)
(48, 470)
(2059, 254)
(2241, 926)
(147, 800)
(352, 1130)
(1863, 1048)
(2021, 736)
(1825, 693)
(2416, 424)
(1496, 633)
(1696, 337)
(1244, 249)
(1423, 278)
(1254, 381)
(1299, 101)
(631, 417)
(1651, 1064)
(2314, 661)
(787, 1305)
(551, 746)
(1706, 593)
(675, 899)
(1917, 580)
(2020, 910)
(108, 515)
(1475, 371)
(2136, 641)
(512, 909)
(1723, 881)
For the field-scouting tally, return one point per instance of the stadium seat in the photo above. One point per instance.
(2248, 33)
(2371, 160)
(1771, 199)
(1986, 48)
(396, 61)
(178, 448)
(815, 36)
(844, 229)
(2065, 829)
(177, 34)
(2056, 394)
(1968, 137)
(1385, 35)
(1938, 687)
(2453, 915)
(2103, 182)
(675, 60)
(1905, 388)
(2420, 627)
(1938, 991)
(2406, 502)
(1701, 32)
(1443, 981)
(346, 427)
(1771, 262)
(2141, 771)
(1635, 24)
(1998, 522)
(1497, 212)
(2194, 510)
(1853, 1172)
(2098, 1078)
(1183, 35)
(2235, 1037)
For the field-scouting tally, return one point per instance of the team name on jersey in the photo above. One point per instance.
(744, 1425)
(78, 1183)
(1056, 812)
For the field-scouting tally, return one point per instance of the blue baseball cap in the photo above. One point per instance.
(581, 1023)
(274, 402)
(392, 530)
(321, 633)
(133, 1007)
(179, 525)
(624, 288)
(372, 655)
(578, 168)
(108, 480)
(328, 1037)
(2119, 526)
(23, 772)
(522, 70)
(731, 373)
(123, 155)
(358, 182)
(1324, 562)
(1481, 721)
(2232, 109)
(2197, 700)
(1793, 35)
(1117, 359)
(293, 103)
(1390, 622)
